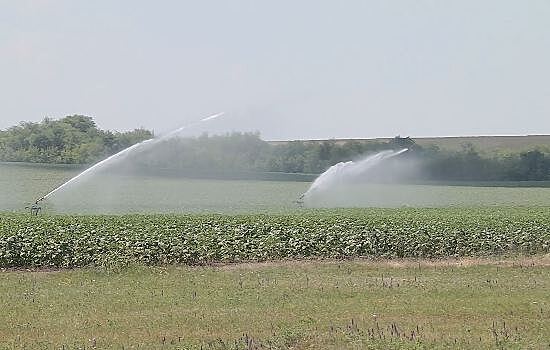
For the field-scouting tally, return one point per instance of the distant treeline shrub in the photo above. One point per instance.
(71, 140)
(77, 140)
(247, 152)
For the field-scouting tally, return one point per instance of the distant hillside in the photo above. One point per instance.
(482, 143)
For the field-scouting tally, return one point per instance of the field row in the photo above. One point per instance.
(72, 241)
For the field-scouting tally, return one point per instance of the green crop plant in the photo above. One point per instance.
(196, 239)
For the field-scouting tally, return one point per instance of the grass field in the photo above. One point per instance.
(469, 304)
(22, 184)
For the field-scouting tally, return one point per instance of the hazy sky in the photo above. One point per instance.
(290, 69)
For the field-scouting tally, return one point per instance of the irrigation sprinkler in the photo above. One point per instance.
(300, 200)
(35, 208)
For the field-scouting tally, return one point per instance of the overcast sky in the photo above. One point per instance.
(289, 69)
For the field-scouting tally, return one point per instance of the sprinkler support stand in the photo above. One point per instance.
(35, 208)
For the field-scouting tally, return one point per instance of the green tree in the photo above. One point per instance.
(73, 139)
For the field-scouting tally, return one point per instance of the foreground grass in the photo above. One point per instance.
(299, 305)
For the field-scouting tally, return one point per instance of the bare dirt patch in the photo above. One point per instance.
(520, 261)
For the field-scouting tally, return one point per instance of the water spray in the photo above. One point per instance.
(344, 171)
(119, 155)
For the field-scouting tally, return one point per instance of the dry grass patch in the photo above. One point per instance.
(473, 303)
(519, 261)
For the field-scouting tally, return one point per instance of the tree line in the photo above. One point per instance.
(77, 140)
(248, 152)
(74, 139)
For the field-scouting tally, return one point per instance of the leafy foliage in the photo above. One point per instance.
(77, 140)
(247, 152)
(74, 140)
(71, 241)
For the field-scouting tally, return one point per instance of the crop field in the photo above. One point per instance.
(236, 264)
(117, 194)
(22, 184)
(73, 241)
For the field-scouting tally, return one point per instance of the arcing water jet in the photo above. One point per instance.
(123, 153)
(346, 172)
